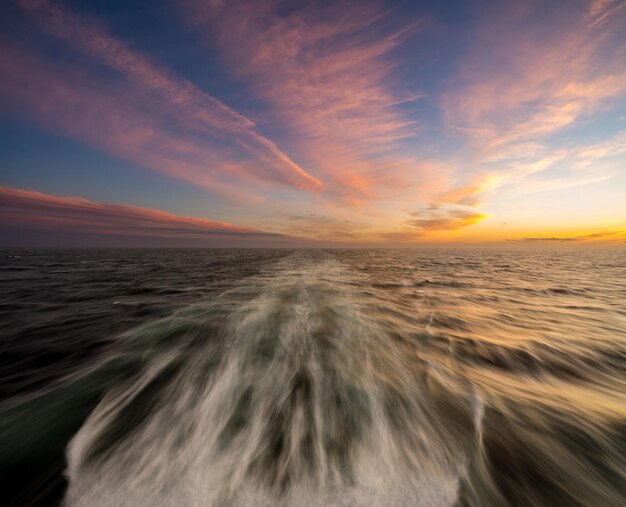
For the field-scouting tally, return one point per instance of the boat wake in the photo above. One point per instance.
(281, 391)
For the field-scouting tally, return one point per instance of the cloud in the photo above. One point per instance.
(436, 219)
(325, 227)
(533, 72)
(353, 148)
(326, 71)
(611, 147)
(141, 111)
(545, 239)
(601, 10)
(29, 209)
(597, 235)
(551, 184)
(524, 79)
(464, 196)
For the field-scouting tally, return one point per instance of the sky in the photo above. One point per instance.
(287, 123)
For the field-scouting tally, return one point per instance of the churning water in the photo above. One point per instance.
(314, 378)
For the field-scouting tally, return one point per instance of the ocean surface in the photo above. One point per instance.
(456, 377)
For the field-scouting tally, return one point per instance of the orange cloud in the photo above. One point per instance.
(436, 219)
(610, 236)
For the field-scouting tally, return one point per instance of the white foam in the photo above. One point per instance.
(179, 456)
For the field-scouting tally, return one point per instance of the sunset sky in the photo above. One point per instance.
(281, 123)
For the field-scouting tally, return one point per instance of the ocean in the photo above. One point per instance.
(430, 377)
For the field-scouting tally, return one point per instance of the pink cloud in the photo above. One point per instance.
(327, 73)
(150, 116)
(524, 79)
(30, 209)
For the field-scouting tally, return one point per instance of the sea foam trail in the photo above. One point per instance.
(282, 391)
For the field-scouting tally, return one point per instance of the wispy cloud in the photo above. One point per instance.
(148, 115)
(525, 79)
(29, 209)
(528, 78)
(326, 70)
(611, 147)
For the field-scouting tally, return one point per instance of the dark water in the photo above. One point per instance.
(313, 378)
